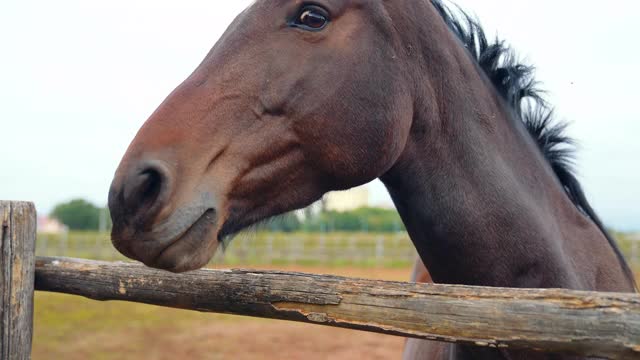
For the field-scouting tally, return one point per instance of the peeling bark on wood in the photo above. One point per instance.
(17, 257)
(581, 323)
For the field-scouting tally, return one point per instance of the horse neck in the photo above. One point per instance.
(480, 202)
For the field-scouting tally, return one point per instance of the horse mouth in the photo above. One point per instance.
(192, 249)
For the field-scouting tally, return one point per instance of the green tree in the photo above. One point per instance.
(288, 222)
(363, 219)
(80, 214)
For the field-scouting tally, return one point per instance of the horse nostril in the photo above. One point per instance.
(144, 189)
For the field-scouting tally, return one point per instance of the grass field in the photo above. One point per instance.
(263, 248)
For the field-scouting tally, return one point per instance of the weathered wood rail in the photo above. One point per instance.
(605, 325)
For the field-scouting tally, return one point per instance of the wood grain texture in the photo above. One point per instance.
(17, 265)
(582, 323)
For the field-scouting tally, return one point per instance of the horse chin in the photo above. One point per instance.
(192, 249)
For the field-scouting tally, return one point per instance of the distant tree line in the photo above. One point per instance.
(360, 220)
(82, 215)
(364, 219)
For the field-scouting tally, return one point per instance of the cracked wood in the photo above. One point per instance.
(582, 323)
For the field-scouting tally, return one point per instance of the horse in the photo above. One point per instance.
(300, 98)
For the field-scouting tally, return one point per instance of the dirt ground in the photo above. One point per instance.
(244, 340)
(72, 328)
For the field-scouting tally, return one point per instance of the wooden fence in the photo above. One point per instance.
(583, 323)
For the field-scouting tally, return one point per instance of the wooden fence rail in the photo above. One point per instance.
(594, 324)
(603, 325)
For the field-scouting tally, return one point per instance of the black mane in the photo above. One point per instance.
(517, 85)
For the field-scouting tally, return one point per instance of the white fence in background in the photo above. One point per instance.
(634, 252)
(277, 248)
(282, 248)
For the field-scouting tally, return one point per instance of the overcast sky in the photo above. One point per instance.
(78, 78)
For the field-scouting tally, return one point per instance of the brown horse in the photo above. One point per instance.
(300, 98)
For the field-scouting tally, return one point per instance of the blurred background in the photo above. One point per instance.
(79, 78)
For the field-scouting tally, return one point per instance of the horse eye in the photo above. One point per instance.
(313, 18)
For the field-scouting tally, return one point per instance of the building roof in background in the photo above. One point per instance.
(347, 200)
(48, 225)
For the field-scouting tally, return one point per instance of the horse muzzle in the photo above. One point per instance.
(146, 228)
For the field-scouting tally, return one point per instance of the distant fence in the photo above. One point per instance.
(263, 248)
(323, 249)
(603, 325)
(632, 247)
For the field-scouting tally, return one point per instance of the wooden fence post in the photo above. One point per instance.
(17, 269)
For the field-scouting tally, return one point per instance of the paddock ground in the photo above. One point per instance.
(72, 328)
